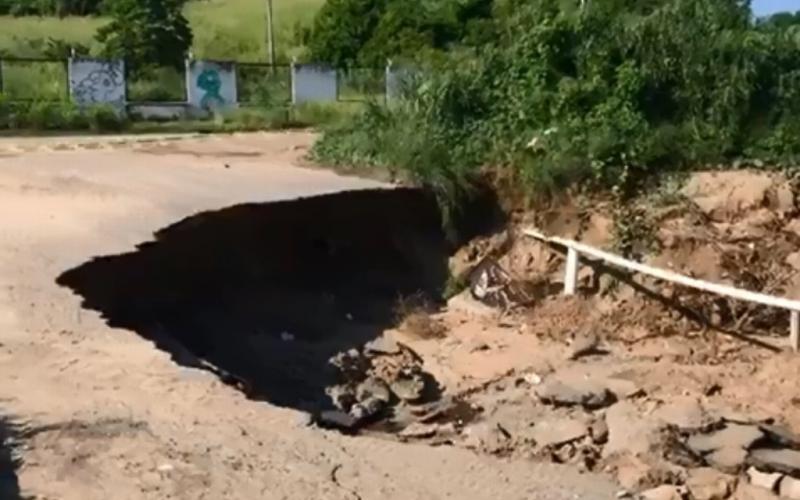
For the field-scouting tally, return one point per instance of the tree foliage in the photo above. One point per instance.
(608, 94)
(367, 32)
(147, 32)
(51, 7)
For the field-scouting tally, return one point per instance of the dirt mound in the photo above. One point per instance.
(668, 389)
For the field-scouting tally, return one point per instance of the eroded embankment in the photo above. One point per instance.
(265, 294)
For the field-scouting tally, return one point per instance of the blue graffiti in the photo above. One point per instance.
(211, 83)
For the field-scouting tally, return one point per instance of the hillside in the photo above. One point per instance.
(223, 29)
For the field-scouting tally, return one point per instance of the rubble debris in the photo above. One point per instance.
(629, 432)
(588, 394)
(623, 388)
(766, 480)
(373, 388)
(419, 431)
(777, 460)
(709, 484)
(558, 431)
(781, 435)
(728, 460)
(664, 492)
(746, 491)
(598, 430)
(685, 413)
(334, 419)
(637, 473)
(382, 345)
(731, 436)
(789, 487)
(409, 384)
(486, 436)
(584, 344)
(343, 396)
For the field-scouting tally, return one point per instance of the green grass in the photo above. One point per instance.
(223, 29)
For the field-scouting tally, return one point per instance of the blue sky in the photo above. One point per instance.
(764, 7)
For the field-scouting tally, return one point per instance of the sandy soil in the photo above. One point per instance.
(115, 417)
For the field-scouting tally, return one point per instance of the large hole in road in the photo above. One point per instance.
(268, 293)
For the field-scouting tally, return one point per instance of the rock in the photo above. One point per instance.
(584, 393)
(629, 432)
(419, 431)
(382, 345)
(746, 491)
(558, 431)
(781, 435)
(599, 431)
(728, 460)
(685, 413)
(709, 484)
(766, 480)
(331, 419)
(623, 388)
(636, 474)
(789, 487)
(466, 303)
(793, 227)
(663, 492)
(371, 388)
(584, 345)
(782, 460)
(486, 436)
(732, 436)
(723, 195)
(532, 378)
(343, 396)
(793, 259)
(784, 199)
(367, 408)
(408, 387)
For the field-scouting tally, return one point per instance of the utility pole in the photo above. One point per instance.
(270, 34)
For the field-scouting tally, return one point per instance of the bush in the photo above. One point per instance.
(147, 33)
(368, 32)
(47, 115)
(609, 95)
(59, 8)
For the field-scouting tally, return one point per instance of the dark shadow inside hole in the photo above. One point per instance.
(9, 460)
(267, 293)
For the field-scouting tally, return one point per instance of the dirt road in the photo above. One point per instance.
(116, 418)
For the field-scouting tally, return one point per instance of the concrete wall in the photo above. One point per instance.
(313, 83)
(97, 81)
(396, 80)
(211, 85)
(160, 110)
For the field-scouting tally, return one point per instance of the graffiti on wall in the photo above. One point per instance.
(212, 85)
(93, 81)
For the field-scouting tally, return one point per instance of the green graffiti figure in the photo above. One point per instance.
(211, 83)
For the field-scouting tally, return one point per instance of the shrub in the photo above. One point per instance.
(608, 94)
(147, 33)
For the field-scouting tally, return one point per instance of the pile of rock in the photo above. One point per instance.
(383, 380)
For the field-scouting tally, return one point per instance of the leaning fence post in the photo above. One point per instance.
(794, 332)
(571, 276)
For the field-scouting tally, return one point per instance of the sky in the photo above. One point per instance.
(765, 7)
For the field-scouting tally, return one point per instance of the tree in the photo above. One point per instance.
(147, 33)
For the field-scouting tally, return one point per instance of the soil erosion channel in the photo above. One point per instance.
(266, 294)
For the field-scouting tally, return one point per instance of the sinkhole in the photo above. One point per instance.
(266, 294)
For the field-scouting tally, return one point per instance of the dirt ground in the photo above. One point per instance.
(114, 417)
